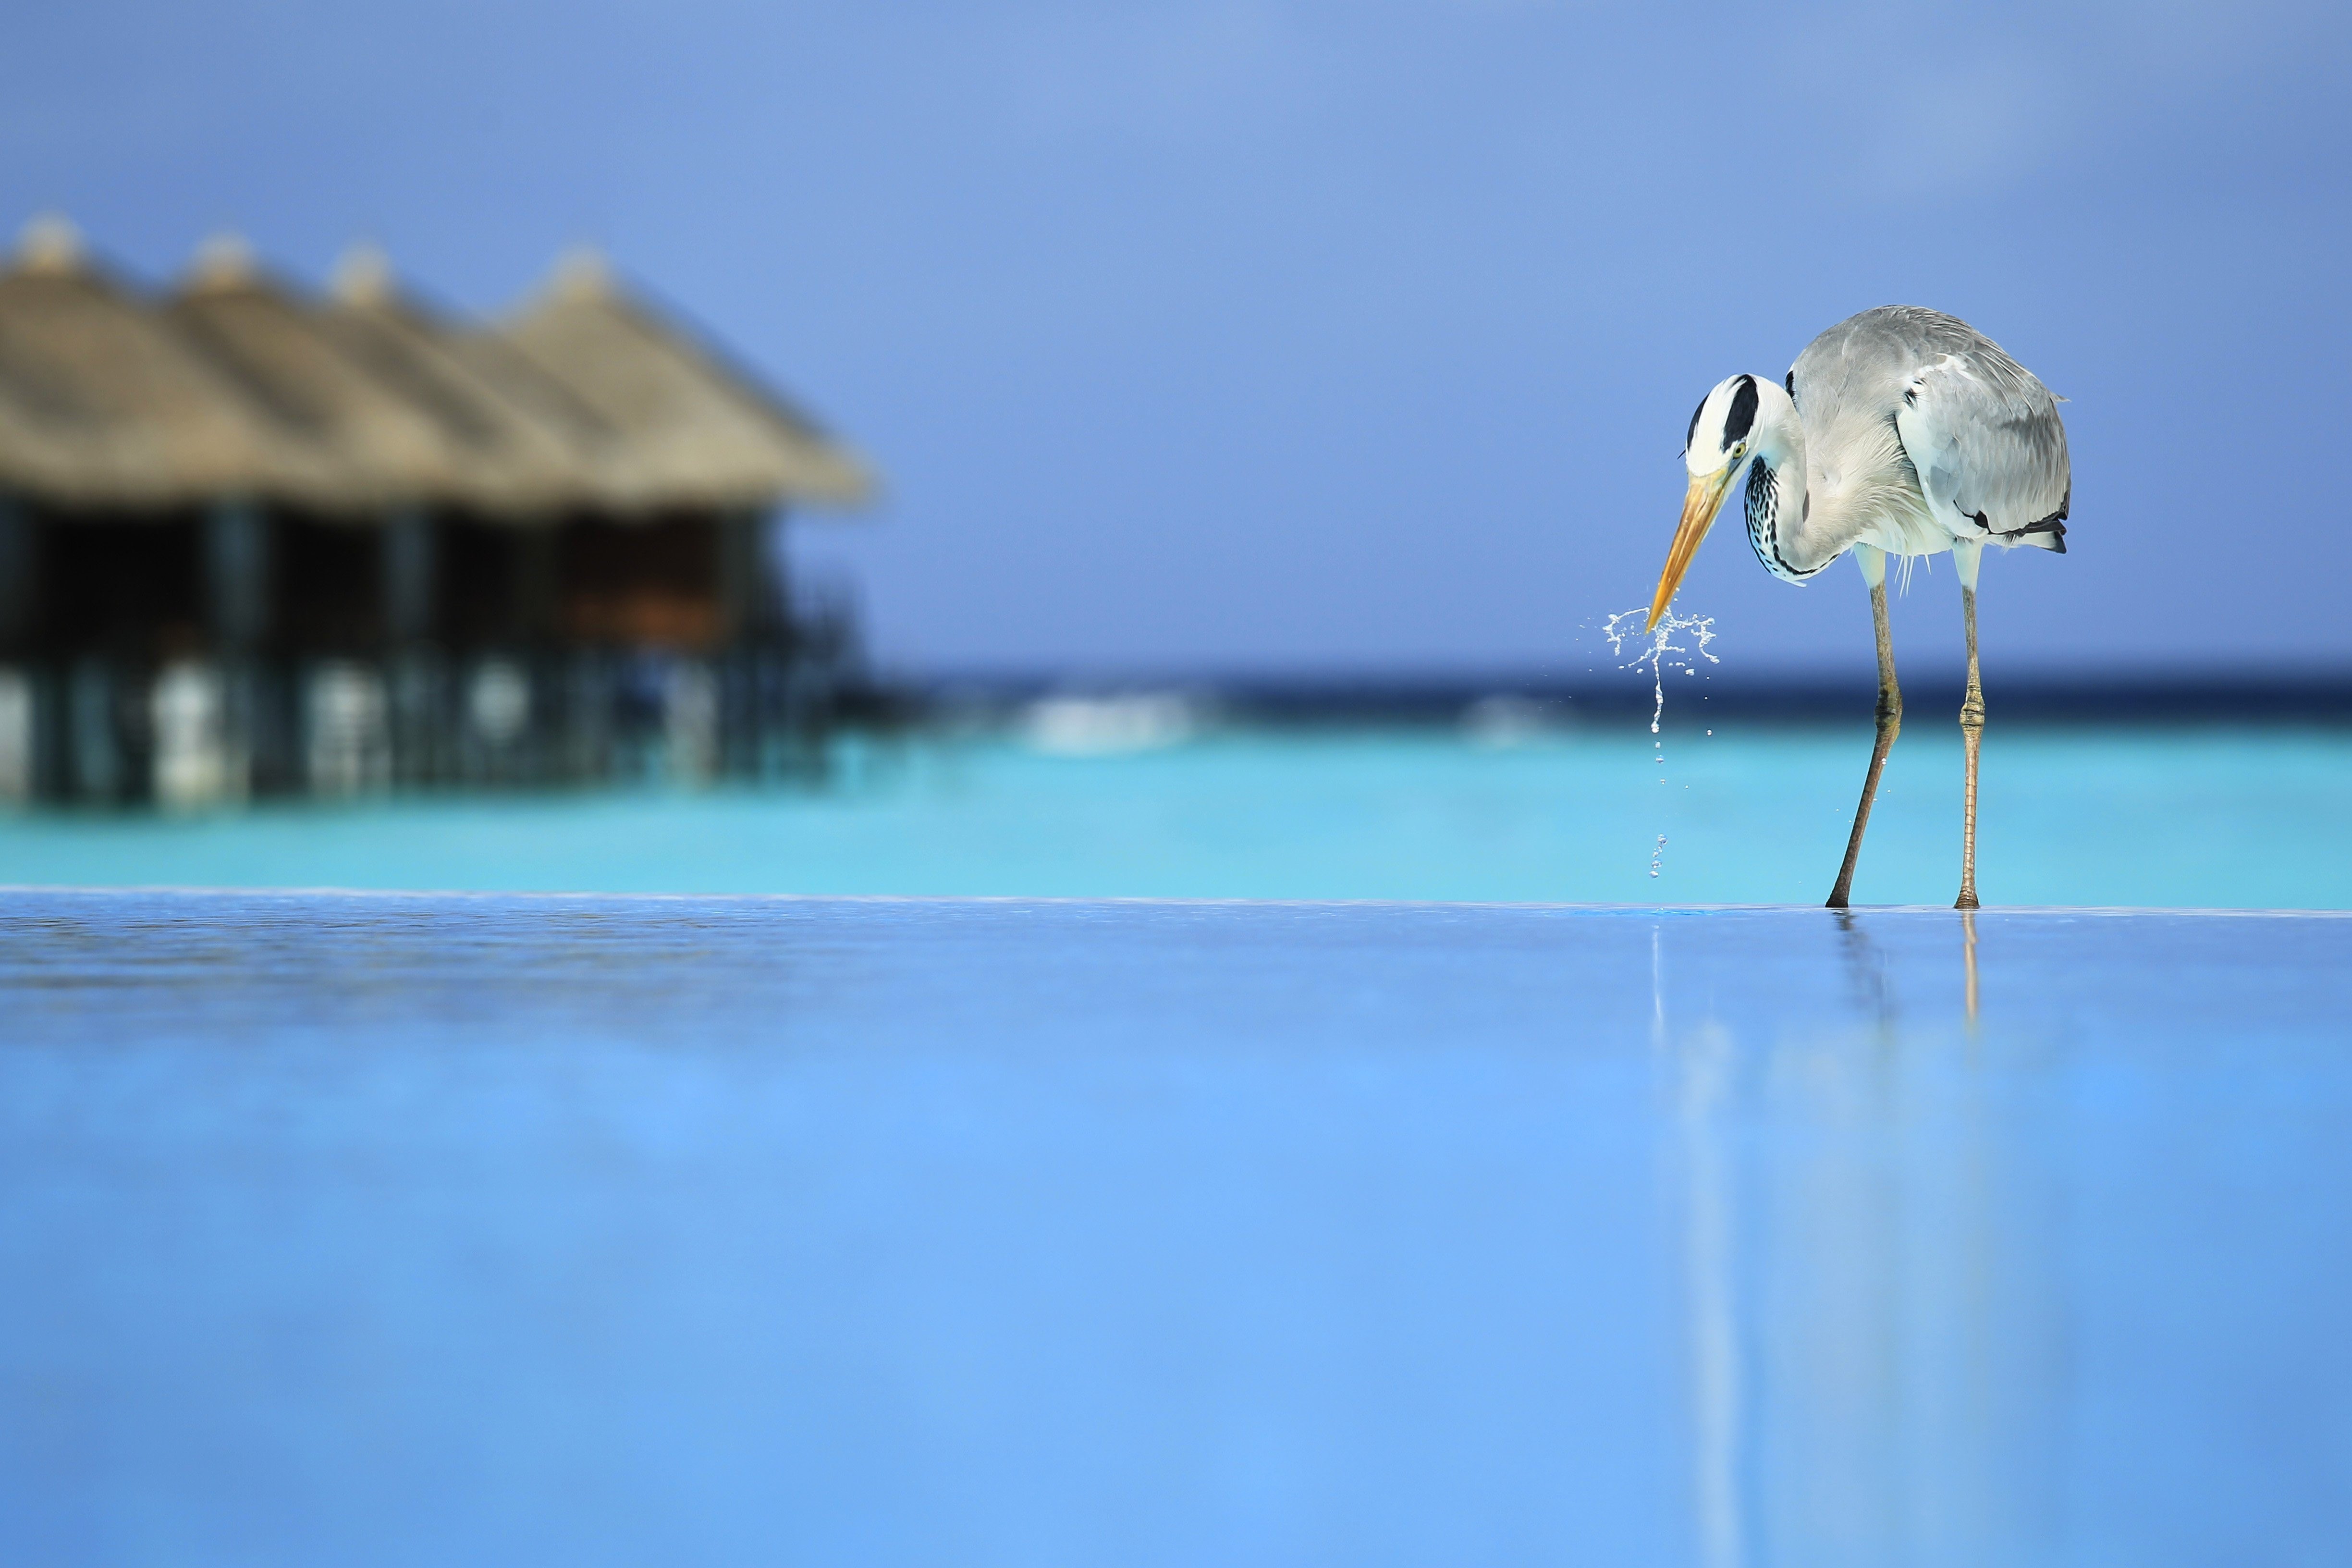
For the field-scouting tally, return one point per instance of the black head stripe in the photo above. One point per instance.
(1694, 424)
(1742, 418)
(1790, 383)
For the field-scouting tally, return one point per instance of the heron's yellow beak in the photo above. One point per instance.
(1698, 515)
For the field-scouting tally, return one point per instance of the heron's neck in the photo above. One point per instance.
(1780, 444)
(1777, 507)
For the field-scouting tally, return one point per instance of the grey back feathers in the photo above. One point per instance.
(1981, 432)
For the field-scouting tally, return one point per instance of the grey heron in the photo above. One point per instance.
(1900, 431)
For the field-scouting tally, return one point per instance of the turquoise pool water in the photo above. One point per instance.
(2182, 818)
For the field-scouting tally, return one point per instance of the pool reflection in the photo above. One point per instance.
(389, 1229)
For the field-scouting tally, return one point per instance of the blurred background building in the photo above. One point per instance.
(255, 541)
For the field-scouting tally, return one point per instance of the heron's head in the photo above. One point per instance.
(1722, 437)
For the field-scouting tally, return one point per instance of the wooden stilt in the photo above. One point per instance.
(239, 578)
(414, 676)
(20, 760)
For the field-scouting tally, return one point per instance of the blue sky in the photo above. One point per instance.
(1338, 337)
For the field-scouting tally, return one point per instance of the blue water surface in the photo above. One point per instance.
(388, 1229)
(2242, 817)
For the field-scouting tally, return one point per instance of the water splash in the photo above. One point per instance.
(1656, 647)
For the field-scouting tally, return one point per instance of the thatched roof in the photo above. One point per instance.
(292, 358)
(102, 404)
(237, 384)
(507, 453)
(693, 428)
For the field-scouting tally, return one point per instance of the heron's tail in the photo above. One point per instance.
(2050, 533)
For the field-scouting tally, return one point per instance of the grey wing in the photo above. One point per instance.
(1984, 436)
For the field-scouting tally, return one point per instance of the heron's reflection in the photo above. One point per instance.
(1969, 960)
(1709, 1251)
(1870, 1288)
(1866, 969)
(1866, 972)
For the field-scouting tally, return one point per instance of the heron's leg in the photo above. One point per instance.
(1873, 562)
(1968, 555)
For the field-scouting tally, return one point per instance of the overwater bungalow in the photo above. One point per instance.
(254, 540)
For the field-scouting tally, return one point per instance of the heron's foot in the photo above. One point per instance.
(1967, 901)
